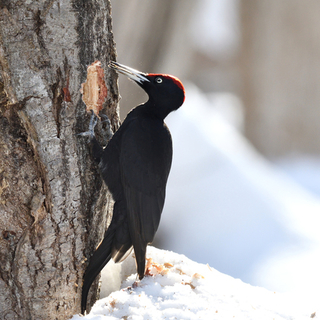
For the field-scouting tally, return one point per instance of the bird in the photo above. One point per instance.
(135, 166)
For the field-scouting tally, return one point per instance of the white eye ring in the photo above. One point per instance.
(159, 80)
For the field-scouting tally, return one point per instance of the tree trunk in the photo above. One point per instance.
(53, 204)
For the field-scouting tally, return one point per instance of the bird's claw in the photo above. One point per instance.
(106, 119)
(92, 124)
(109, 131)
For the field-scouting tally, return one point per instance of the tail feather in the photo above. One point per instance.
(140, 253)
(99, 259)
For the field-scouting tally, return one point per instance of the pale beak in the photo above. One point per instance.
(132, 74)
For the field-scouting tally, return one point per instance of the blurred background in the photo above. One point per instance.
(244, 190)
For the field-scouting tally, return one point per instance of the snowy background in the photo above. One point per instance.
(226, 204)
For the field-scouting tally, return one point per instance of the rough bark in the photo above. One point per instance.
(53, 204)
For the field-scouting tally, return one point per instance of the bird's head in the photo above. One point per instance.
(166, 93)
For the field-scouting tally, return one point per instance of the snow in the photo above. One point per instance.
(182, 289)
(228, 207)
(304, 169)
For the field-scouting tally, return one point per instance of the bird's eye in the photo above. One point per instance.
(158, 80)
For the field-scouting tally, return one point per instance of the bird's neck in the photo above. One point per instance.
(154, 110)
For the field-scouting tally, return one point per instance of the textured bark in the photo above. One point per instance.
(53, 205)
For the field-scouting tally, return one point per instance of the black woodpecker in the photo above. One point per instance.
(135, 166)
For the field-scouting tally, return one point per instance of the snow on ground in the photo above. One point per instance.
(183, 289)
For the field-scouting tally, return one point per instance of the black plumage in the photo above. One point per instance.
(135, 166)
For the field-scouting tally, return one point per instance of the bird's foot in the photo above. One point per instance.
(92, 124)
(108, 130)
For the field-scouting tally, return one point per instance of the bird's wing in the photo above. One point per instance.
(145, 161)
